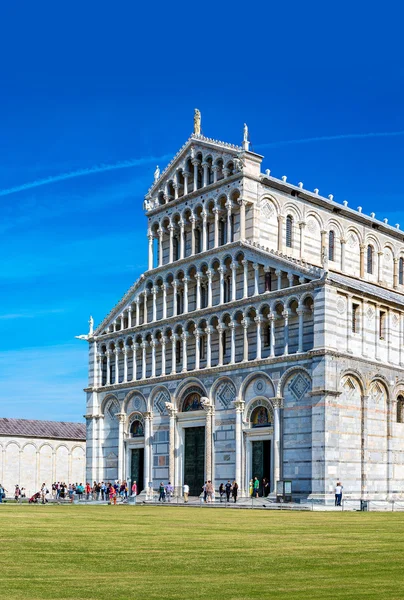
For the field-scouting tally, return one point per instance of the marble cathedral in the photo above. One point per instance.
(265, 338)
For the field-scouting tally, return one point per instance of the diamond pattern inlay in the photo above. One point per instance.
(299, 386)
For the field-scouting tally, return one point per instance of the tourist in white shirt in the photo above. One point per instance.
(186, 492)
(338, 493)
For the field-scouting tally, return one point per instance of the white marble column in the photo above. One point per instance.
(278, 274)
(182, 241)
(171, 244)
(285, 316)
(197, 335)
(300, 312)
(161, 236)
(184, 338)
(193, 221)
(245, 322)
(205, 167)
(186, 176)
(278, 406)
(137, 301)
(116, 352)
(195, 164)
(153, 347)
(204, 231)
(216, 213)
(198, 277)
(239, 406)
(108, 367)
(145, 293)
(173, 353)
(245, 281)
(220, 329)
(215, 169)
(221, 284)
(163, 341)
(129, 317)
(164, 290)
(228, 207)
(209, 276)
(175, 287)
(256, 268)
(154, 294)
(258, 321)
(121, 422)
(209, 408)
(134, 362)
(271, 318)
(185, 282)
(242, 204)
(208, 331)
(232, 326)
(150, 236)
(233, 268)
(171, 461)
(125, 364)
(144, 346)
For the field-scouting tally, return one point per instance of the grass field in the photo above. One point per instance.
(104, 552)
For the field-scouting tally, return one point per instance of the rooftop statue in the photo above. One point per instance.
(157, 173)
(197, 122)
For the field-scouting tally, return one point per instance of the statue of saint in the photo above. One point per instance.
(245, 138)
(157, 173)
(197, 122)
(91, 323)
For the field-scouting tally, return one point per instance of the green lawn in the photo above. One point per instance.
(107, 552)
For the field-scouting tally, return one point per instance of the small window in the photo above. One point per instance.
(204, 296)
(207, 235)
(224, 344)
(267, 336)
(331, 245)
(268, 281)
(289, 231)
(382, 325)
(176, 248)
(202, 346)
(198, 240)
(178, 352)
(400, 409)
(355, 318)
(232, 228)
(227, 289)
(222, 232)
(370, 259)
(401, 271)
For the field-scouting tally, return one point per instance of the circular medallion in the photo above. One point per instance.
(341, 305)
(259, 386)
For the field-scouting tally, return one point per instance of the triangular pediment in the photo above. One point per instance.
(194, 146)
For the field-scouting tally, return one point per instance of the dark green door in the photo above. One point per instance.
(261, 461)
(136, 469)
(194, 461)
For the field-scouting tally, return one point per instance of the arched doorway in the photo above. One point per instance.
(259, 445)
(192, 421)
(135, 444)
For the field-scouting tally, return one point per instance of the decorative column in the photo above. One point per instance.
(148, 450)
(205, 167)
(300, 312)
(186, 175)
(256, 268)
(108, 367)
(204, 230)
(171, 244)
(154, 294)
(121, 422)
(185, 282)
(377, 332)
(291, 278)
(122, 321)
(144, 346)
(161, 235)
(195, 164)
(395, 273)
(216, 213)
(163, 341)
(343, 244)
(285, 315)
(176, 186)
(134, 362)
(324, 251)
(258, 321)
(281, 219)
(197, 335)
(228, 207)
(209, 408)
(242, 204)
(116, 352)
(173, 354)
(245, 282)
(362, 260)
(137, 301)
(208, 331)
(171, 463)
(182, 245)
(302, 225)
(164, 290)
(221, 275)
(220, 329)
(125, 364)
(150, 236)
(380, 267)
(198, 277)
(239, 406)
(209, 276)
(184, 337)
(232, 326)
(145, 306)
(153, 368)
(175, 286)
(278, 407)
(271, 318)
(129, 317)
(193, 221)
(233, 268)
(215, 169)
(245, 323)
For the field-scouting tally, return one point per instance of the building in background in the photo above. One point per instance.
(36, 452)
(265, 339)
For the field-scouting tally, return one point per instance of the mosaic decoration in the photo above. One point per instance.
(341, 305)
(112, 409)
(259, 386)
(136, 403)
(258, 404)
(159, 402)
(225, 394)
(267, 210)
(260, 417)
(370, 313)
(192, 400)
(137, 429)
(299, 386)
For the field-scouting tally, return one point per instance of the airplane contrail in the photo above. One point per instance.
(125, 164)
(326, 138)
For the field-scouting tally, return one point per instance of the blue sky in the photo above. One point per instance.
(86, 84)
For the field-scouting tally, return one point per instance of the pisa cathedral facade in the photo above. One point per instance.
(265, 339)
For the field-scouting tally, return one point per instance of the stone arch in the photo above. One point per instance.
(378, 387)
(192, 385)
(335, 225)
(355, 375)
(158, 398)
(108, 400)
(30, 443)
(272, 200)
(135, 417)
(134, 400)
(299, 387)
(223, 392)
(13, 442)
(292, 209)
(257, 384)
(253, 404)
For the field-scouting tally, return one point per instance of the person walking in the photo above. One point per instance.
(338, 493)
(44, 491)
(256, 487)
(134, 489)
(205, 493)
(209, 491)
(3, 492)
(228, 490)
(186, 493)
(265, 486)
(169, 491)
(17, 493)
(234, 491)
(162, 493)
(251, 488)
(221, 492)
